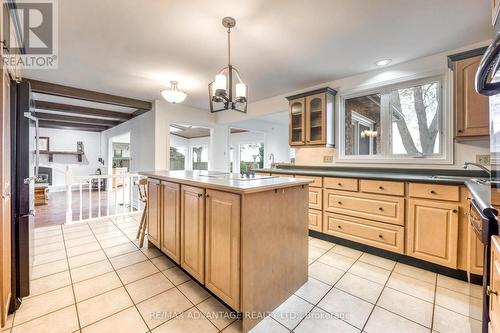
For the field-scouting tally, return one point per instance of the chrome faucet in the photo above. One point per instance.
(482, 167)
(271, 158)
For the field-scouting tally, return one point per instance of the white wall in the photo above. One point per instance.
(65, 140)
(423, 67)
(142, 142)
(167, 114)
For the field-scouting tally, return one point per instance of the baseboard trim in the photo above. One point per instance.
(454, 273)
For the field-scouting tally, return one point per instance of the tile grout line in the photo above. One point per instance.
(121, 281)
(378, 298)
(162, 272)
(333, 286)
(71, 280)
(434, 304)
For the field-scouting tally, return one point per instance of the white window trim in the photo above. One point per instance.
(445, 140)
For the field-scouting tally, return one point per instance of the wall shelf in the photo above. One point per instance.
(51, 154)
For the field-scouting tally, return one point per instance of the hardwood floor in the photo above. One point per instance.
(54, 212)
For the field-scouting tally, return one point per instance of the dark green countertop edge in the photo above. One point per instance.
(411, 175)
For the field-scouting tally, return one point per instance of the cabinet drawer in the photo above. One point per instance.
(435, 191)
(315, 198)
(317, 181)
(385, 236)
(371, 206)
(315, 220)
(382, 187)
(346, 184)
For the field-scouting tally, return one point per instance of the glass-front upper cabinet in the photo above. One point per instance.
(297, 122)
(312, 118)
(315, 124)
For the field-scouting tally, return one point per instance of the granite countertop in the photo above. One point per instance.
(231, 182)
(441, 176)
(480, 191)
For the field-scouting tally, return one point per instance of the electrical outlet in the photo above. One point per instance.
(327, 159)
(483, 159)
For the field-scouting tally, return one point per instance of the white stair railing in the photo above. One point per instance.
(119, 191)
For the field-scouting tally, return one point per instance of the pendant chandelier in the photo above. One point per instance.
(228, 92)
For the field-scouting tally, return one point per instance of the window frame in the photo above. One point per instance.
(445, 117)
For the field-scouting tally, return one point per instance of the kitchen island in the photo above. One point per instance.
(245, 238)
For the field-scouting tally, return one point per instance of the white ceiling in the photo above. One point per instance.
(134, 48)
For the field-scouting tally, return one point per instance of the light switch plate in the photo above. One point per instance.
(327, 159)
(483, 159)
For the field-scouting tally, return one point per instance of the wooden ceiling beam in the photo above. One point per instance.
(72, 126)
(87, 95)
(76, 120)
(81, 110)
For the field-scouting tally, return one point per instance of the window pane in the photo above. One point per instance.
(251, 156)
(200, 158)
(415, 120)
(177, 158)
(363, 125)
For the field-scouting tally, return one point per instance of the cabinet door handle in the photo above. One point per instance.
(380, 236)
(339, 184)
(381, 209)
(490, 291)
(381, 188)
(459, 131)
(339, 226)
(200, 195)
(340, 202)
(433, 192)
(455, 211)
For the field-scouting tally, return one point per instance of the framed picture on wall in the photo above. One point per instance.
(43, 144)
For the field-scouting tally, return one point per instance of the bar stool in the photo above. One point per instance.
(143, 197)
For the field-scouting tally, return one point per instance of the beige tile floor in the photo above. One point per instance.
(92, 277)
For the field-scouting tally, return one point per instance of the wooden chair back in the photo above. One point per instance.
(142, 189)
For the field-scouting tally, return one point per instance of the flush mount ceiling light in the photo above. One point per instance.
(173, 94)
(228, 92)
(383, 62)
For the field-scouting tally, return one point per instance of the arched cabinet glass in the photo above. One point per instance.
(297, 120)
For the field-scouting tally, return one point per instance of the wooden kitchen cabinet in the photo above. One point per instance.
(297, 122)
(382, 235)
(475, 253)
(315, 119)
(222, 259)
(311, 118)
(171, 220)
(494, 287)
(495, 10)
(432, 231)
(315, 220)
(193, 231)
(154, 211)
(471, 108)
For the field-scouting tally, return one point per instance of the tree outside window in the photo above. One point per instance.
(394, 122)
(251, 156)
